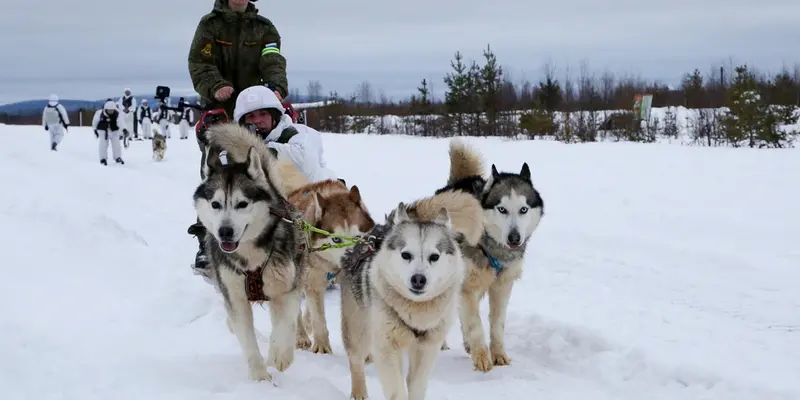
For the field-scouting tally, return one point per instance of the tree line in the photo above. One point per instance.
(734, 105)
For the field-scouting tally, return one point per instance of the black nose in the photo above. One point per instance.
(418, 281)
(225, 233)
(514, 238)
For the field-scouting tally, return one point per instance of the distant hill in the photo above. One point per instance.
(31, 107)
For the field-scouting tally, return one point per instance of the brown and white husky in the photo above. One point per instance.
(329, 206)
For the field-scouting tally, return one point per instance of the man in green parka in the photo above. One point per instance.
(233, 48)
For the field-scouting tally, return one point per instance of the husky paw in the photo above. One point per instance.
(480, 360)
(466, 347)
(358, 395)
(259, 374)
(445, 347)
(303, 343)
(321, 346)
(281, 359)
(500, 358)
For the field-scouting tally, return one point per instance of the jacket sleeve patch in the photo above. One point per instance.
(206, 50)
(270, 48)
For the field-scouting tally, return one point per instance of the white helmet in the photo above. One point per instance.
(53, 100)
(256, 98)
(109, 105)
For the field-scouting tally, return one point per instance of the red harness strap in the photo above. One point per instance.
(254, 285)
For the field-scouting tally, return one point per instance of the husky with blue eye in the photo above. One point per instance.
(512, 210)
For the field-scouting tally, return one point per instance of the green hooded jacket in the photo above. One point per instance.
(238, 50)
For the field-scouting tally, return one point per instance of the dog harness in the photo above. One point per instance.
(496, 265)
(254, 280)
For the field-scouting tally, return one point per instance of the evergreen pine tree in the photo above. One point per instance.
(457, 94)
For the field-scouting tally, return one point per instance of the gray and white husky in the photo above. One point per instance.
(512, 210)
(400, 293)
(255, 249)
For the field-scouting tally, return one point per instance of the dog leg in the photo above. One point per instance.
(283, 313)
(240, 320)
(303, 341)
(389, 364)
(315, 301)
(499, 295)
(307, 319)
(421, 360)
(356, 338)
(472, 331)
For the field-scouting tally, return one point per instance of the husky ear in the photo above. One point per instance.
(213, 162)
(495, 174)
(254, 164)
(313, 213)
(443, 218)
(355, 195)
(525, 173)
(400, 214)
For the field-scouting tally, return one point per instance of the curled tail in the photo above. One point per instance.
(464, 162)
(291, 176)
(466, 213)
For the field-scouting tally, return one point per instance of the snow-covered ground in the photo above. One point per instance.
(659, 272)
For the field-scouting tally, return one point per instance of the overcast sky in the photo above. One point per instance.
(92, 49)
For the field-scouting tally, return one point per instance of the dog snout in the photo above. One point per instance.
(225, 233)
(418, 282)
(514, 238)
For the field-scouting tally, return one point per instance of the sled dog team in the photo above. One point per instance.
(277, 237)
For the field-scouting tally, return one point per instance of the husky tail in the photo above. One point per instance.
(291, 177)
(465, 162)
(466, 213)
(236, 141)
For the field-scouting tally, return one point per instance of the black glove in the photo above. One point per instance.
(125, 132)
(47, 128)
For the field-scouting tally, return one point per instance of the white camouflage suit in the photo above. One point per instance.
(145, 116)
(162, 115)
(55, 120)
(109, 124)
(186, 122)
(128, 101)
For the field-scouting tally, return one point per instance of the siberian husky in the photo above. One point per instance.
(512, 210)
(159, 145)
(400, 291)
(255, 248)
(329, 206)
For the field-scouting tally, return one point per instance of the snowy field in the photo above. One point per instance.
(659, 272)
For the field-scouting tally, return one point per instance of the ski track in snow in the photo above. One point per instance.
(659, 272)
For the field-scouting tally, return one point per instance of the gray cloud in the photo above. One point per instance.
(93, 49)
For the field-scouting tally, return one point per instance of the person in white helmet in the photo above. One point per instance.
(108, 124)
(259, 109)
(144, 115)
(127, 104)
(55, 120)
